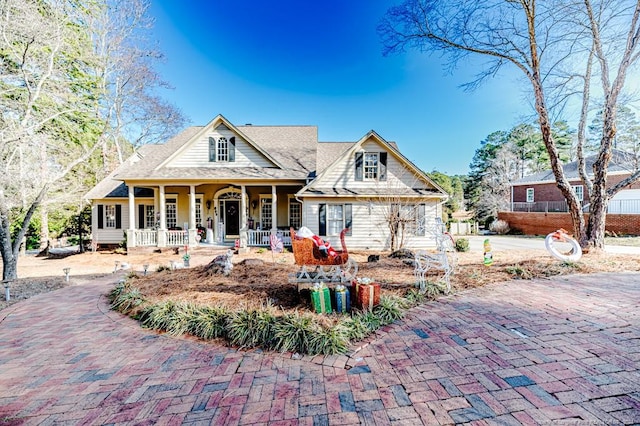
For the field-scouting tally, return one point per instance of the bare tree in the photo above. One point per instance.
(561, 47)
(502, 170)
(63, 99)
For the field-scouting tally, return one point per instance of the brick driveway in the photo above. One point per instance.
(563, 351)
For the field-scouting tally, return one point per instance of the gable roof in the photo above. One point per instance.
(619, 164)
(291, 149)
(336, 153)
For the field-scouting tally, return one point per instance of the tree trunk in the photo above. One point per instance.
(9, 259)
(44, 228)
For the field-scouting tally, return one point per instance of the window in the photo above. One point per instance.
(198, 211)
(371, 166)
(295, 214)
(333, 218)
(266, 213)
(149, 217)
(172, 213)
(222, 149)
(530, 196)
(110, 216)
(579, 190)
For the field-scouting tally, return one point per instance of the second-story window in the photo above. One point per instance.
(222, 149)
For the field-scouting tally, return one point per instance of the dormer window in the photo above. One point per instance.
(222, 149)
(371, 166)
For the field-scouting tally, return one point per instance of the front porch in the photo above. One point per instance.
(179, 238)
(210, 213)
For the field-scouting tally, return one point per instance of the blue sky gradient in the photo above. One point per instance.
(286, 62)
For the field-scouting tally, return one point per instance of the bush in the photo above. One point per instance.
(462, 244)
(500, 227)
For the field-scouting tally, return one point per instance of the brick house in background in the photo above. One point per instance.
(538, 207)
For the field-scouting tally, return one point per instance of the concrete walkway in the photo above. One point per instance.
(564, 351)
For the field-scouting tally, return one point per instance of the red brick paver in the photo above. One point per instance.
(563, 351)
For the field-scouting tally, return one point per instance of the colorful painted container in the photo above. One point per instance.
(320, 298)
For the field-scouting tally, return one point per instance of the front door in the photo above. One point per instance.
(232, 218)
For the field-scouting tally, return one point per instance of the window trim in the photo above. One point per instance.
(293, 201)
(266, 199)
(107, 219)
(371, 169)
(166, 210)
(575, 191)
(530, 191)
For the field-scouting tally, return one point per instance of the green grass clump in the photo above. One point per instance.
(208, 322)
(249, 328)
(124, 298)
(293, 332)
(390, 309)
(167, 316)
(330, 340)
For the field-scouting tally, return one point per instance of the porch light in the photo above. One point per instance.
(66, 273)
(208, 203)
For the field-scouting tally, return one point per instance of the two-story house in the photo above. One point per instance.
(223, 184)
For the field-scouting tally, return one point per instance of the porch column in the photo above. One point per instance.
(244, 238)
(274, 210)
(192, 215)
(131, 238)
(162, 234)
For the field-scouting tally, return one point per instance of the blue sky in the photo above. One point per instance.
(292, 62)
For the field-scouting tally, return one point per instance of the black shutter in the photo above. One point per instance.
(118, 216)
(359, 157)
(322, 219)
(232, 149)
(100, 216)
(347, 218)
(141, 216)
(383, 166)
(212, 149)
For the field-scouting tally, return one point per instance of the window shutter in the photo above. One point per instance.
(359, 157)
(232, 149)
(383, 166)
(422, 227)
(212, 149)
(322, 219)
(141, 216)
(347, 218)
(100, 216)
(118, 216)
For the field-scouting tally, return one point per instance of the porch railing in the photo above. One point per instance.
(260, 238)
(146, 237)
(176, 238)
(614, 207)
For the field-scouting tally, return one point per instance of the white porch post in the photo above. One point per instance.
(274, 210)
(192, 215)
(243, 219)
(162, 234)
(131, 239)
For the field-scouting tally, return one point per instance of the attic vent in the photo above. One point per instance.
(222, 127)
(248, 124)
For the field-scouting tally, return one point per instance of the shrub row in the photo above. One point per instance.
(266, 327)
